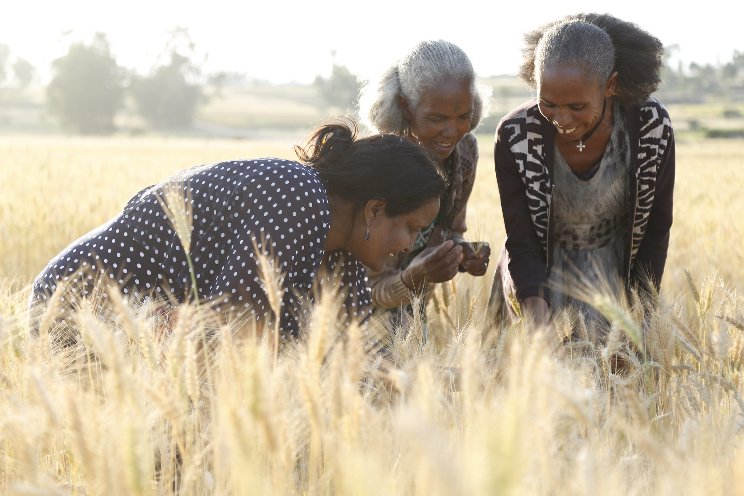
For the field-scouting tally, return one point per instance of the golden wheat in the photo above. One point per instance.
(152, 403)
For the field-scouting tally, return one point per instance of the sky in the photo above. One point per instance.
(285, 41)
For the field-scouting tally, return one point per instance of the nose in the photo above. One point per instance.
(411, 241)
(450, 130)
(560, 117)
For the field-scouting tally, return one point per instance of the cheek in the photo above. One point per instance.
(423, 130)
(588, 117)
(400, 239)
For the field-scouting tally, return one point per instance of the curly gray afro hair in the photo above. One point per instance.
(425, 66)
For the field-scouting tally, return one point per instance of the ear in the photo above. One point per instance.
(405, 108)
(611, 88)
(373, 210)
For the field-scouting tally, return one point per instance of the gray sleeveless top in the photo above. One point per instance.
(589, 221)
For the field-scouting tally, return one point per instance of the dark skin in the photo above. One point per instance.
(572, 101)
(441, 118)
(433, 264)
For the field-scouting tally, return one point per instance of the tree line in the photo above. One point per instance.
(89, 88)
(697, 83)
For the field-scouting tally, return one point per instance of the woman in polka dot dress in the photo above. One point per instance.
(351, 203)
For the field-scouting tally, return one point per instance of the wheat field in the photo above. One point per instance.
(475, 409)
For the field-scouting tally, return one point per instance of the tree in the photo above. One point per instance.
(169, 96)
(24, 72)
(4, 59)
(734, 69)
(341, 88)
(87, 88)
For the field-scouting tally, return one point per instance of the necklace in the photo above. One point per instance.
(580, 145)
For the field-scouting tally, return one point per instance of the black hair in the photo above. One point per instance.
(639, 56)
(384, 166)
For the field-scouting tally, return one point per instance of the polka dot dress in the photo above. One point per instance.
(277, 207)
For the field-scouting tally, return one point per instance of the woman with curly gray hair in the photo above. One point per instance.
(430, 97)
(585, 170)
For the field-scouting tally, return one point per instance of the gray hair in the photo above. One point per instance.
(576, 42)
(426, 65)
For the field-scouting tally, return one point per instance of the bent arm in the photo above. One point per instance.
(652, 253)
(388, 289)
(527, 263)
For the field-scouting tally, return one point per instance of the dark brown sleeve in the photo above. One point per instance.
(527, 265)
(651, 257)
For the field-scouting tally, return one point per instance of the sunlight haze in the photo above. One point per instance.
(285, 41)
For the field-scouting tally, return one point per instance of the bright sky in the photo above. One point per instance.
(282, 40)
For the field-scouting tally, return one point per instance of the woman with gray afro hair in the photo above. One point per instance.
(585, 171)
(430, 96)
(426, 65)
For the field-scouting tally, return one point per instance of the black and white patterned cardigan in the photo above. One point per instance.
(524, 157)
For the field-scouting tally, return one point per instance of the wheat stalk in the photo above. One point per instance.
(177, 204)
(272, 279)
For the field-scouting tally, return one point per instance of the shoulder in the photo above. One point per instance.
(653, 110)
(651, 121)
(514, 125)
(521, 112)
(263, 168)
(277, 185)
(275, 173)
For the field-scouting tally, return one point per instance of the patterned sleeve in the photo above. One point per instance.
(652, 253)
(527, 263)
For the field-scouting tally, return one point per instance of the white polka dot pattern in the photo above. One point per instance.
(279, 206)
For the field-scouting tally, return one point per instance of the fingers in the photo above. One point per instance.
(478, 264)
(443, 249)
(442, 264)
(485, 252)
(475, 267)
(467, 250)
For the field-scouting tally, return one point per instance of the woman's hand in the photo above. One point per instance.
(474, 262)
(433, 264)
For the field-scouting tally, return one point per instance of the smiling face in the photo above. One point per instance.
(388, 236)
(442, 117)
(571, 101)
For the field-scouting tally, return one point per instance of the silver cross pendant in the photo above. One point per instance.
(580, 146)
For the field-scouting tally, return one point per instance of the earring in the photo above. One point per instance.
(366, 233)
